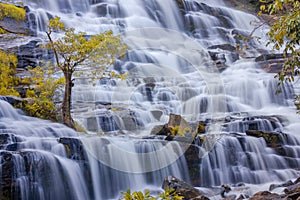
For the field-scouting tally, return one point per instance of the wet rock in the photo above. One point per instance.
(271, 63)
(92, 124)
(227, 47)
(13, 100)
(27, 49)
(157, 114)
(74, 148)
(6, 176)
(30, 54)
(265, 195)
(274, 186)
(16, 26)
(219, 59)
(265, 57)
(175, 126)
(9, 141)
(193, 159)
(295, 188)
(182, 188)
(220, 53)
(201, 128)
(272, 139)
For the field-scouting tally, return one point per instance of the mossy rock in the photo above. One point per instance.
(272, 139)
(12, 11)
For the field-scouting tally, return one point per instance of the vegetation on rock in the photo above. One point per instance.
(138, 195)
(75, 50)
(12, 11)
(39, 87)
(8, 63)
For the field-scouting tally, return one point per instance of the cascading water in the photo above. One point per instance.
(170, 71)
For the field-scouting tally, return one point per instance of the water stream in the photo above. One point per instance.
(171, 45)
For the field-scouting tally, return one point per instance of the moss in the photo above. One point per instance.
(68, 150)
(12, 11)
(80, 128)
(2, 31)
(180, 4)
(201, 128)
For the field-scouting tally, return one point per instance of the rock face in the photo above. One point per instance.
(265, 195)
(272, 139)
(291, 192)
(30, 54)
(271, 63)
(220, 53)
(16, 26)
(182, 188)
(178, 126)
(21, 41)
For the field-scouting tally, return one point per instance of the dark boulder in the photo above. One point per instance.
(271, 63)
(182, 188)
(265, 195)
(219, 59)
(226, 47)
(74, 148)
(286, 184)
(176, 125)
(220, 53)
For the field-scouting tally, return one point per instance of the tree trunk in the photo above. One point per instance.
(66, 105)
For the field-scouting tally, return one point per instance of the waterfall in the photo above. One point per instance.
(181, 60)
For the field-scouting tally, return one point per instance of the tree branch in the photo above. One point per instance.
(55, 52)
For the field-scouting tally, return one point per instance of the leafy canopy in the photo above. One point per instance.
(75, 49)
(284, 33)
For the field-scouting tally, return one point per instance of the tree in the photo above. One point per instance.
(284, 34)
(75, 50)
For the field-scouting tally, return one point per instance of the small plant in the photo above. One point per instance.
(179, 131)
(168, 194)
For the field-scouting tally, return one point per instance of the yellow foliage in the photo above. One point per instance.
(12, 11)
(285, 34)
(42, 92)
(179, 131)
(8, 63)
(97, 52)
(2, 31)
(168, 194)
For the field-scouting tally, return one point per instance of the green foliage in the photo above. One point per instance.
(8, 63)
(285, 34)
(12, 11)
(138, 195)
